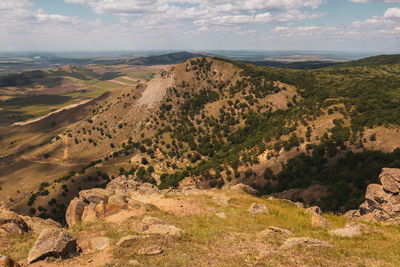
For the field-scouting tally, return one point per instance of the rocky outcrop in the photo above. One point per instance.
(382, 201)
(98, 203)
(52, 243)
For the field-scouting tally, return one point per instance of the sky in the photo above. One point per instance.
(80, 25)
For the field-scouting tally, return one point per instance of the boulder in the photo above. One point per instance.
(99, 243)
(389, 183)
(304, 241)
(89, 213)
(375, 195)
(319, 221)
(117, 200)
(74, 211)
(5, 261)
(274, 231)
(37, 225)
(94, 195)
(314, 209)
(12, 223)
(352, 214)
(163, 229)
(243, 188)
(52, 243)
(392, 173)
(256, 208)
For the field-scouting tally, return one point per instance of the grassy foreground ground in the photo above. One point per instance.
(209, 240)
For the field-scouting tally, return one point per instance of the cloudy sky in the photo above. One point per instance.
(336, 25)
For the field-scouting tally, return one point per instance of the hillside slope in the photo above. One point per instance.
(134, 223)
(213, 122)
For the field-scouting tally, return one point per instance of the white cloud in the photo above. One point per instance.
(392, 13)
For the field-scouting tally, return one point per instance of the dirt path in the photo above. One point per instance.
(130, 79)
(56, 111)
(65, 145)
(119, 83)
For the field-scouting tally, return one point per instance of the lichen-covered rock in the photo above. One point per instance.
(74, 211)
(37, 225)
(12, 223)
(94, 195)
(52, 243)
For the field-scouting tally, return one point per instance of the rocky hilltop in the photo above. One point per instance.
(131, 222)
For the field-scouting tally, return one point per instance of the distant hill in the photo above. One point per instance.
(373, 61)
(370, 61)
(293, 65)
(166, 59)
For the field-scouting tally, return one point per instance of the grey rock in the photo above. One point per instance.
(94, 195)
(74, 211)
(52, 243)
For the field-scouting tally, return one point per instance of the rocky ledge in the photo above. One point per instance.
(382, 201)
